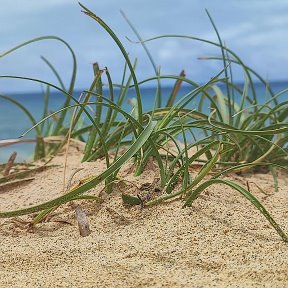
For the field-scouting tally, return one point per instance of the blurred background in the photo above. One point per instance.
(256, 30)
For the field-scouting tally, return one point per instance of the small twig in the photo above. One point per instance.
(118, 218)
(261, 190)
(248, 186)
(69, 182)
(82, 220)
(7, 142)
(9, 164)
(22, 224)
(15, 182)
(24, 173)
(68, 141)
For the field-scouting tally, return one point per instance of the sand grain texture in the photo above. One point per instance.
(221, 241)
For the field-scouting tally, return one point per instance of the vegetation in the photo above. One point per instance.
(239, 133)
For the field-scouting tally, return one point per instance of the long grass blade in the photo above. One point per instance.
(124, 53)
(250, 197)
(91, 181)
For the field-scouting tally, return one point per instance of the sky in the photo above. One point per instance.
(255, 29)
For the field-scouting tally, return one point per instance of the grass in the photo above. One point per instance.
(236, 135)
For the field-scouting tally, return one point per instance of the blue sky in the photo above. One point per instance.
(255, 29)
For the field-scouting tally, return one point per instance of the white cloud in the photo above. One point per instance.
(256, 30)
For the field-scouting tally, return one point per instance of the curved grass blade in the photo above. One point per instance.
(172, 179)
(158, 99)
(91, 181)
(97, 85)
(209, 165)
(24, 109)
(53, 69)
(250, 197)
(124, 53)
(224, 65)
(175, 89)
(66, 94)
(63, 110)
(248, 69)
(214, 44)
(172, 77)
(73, 76)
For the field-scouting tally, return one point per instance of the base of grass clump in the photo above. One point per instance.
(136, 189)
(220, 235)
(112, 184)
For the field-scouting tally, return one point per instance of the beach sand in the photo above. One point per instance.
(221, 241)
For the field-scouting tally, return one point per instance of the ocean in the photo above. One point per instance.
(14, 122)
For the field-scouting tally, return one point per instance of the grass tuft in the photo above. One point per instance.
(231, 130)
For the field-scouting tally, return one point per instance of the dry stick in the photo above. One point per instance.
(68, 141)
(7, 142)
(22, 174)
(81, 217)
(15, 182)
(9, 164)
(66, 156)
(65, 161)
(69, 183)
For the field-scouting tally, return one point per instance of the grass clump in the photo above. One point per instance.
(237, 133)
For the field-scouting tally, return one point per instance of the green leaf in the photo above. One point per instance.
(131, 200)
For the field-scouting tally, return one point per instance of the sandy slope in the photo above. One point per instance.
(221, 241)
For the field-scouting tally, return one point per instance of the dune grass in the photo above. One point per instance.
(236, 135)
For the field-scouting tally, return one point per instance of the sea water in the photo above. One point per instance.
(13, 122)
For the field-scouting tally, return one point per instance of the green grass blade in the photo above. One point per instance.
(124, 53)
(91, 181)
(158, 99)
(224, 64)
(97, 85)
(24, 109)
(54, 71)
(209, 165)
(250, 197)
(175, 89)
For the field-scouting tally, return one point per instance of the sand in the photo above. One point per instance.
(221, 241)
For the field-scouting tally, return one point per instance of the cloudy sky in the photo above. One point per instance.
(255, 29)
